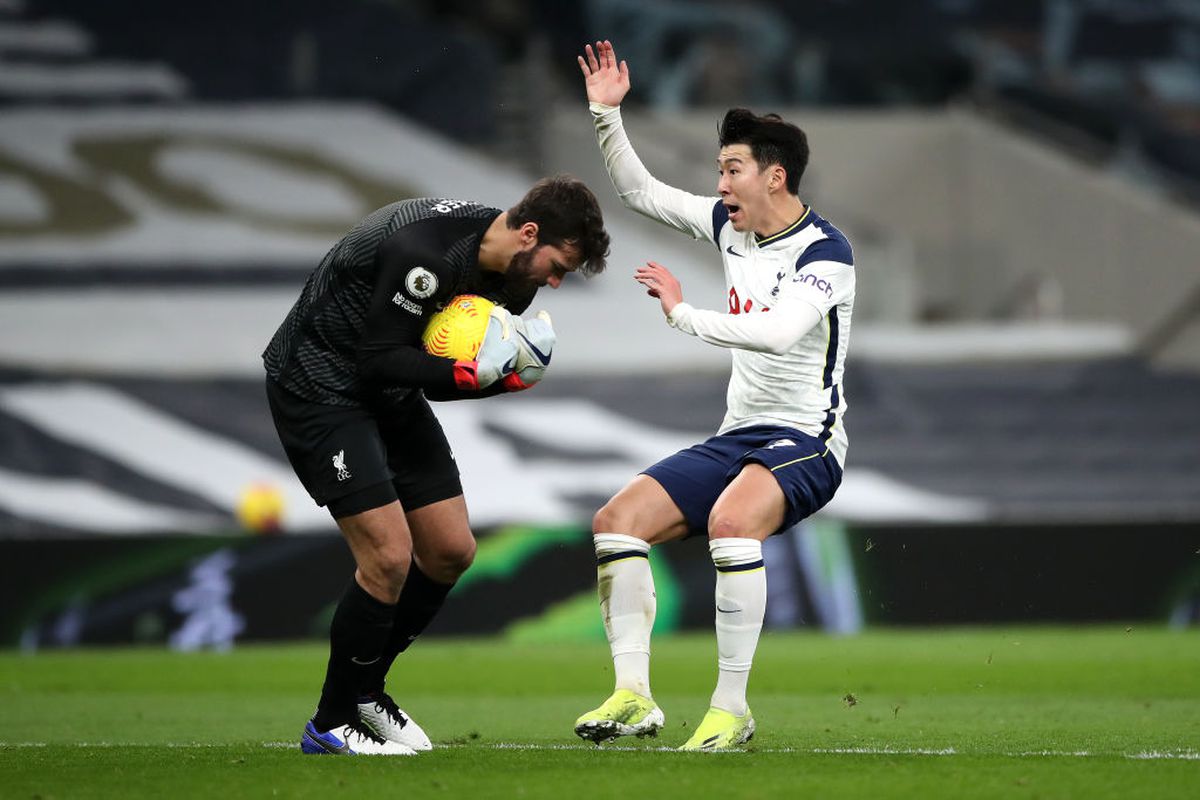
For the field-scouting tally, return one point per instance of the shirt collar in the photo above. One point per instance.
(805, 219)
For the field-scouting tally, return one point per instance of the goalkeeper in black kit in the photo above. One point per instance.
(348, 382)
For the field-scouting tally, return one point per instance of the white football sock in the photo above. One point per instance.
(627, 603)
(741, 602)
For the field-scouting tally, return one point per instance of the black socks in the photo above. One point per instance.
(358, 640)
(420, 600)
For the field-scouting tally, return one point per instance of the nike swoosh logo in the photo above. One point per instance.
(727, 610)
(733, 252)
(364, 663)
(542, 357)
(326, 745)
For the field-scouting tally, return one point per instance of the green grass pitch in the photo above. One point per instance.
(1003, 712)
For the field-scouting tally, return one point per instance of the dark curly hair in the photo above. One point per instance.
(772, 141)
(566, 212)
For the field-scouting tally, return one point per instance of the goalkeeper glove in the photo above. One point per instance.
(535, 340)
(497, 357)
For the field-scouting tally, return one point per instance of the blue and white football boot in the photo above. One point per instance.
(355, 739)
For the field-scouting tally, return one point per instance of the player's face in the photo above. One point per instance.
(543, 265)
(742, 186)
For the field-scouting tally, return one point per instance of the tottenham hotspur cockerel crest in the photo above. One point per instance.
(339, 463)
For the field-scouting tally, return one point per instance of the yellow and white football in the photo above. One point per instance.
(457, 330)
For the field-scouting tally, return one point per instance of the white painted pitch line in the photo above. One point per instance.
(111, 745)
(884, 751)
(1185, 755)
(1143, 755)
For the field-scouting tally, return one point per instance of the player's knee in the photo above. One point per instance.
(613, 517)
(459, 559)
(633, 519)
(388, 567)
(722, 525)
(449, 561)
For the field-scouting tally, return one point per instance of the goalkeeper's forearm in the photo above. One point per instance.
(405, 366)
(443, 395)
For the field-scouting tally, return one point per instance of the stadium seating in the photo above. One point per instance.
(180, 167)
(270, 50)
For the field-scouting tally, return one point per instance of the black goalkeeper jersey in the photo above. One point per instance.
(354, 335)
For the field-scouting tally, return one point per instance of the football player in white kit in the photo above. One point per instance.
(778, 454)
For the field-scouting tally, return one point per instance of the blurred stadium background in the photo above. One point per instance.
(1021, 181)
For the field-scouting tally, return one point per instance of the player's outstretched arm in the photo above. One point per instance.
(607, 82)
(791, 319)
(606, 79)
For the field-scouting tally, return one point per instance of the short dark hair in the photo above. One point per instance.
(566, 212)
(772, 141)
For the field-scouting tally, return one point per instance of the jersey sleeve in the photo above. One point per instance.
(698, 216)
(821, 284)
(775, 331)
(823, 277)
(409, 286)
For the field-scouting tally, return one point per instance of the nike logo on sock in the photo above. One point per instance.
(727, 610)
(364, 663)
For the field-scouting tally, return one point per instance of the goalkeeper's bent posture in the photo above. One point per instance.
(347, 383)
(778, 454)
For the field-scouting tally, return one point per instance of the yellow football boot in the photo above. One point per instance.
(720, 730)
(624, 714)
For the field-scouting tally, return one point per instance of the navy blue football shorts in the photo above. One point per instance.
(694, 478)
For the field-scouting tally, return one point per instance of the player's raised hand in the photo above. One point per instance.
(607, 81)
(660, 283)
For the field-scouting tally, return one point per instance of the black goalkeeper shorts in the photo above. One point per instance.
(352, 459)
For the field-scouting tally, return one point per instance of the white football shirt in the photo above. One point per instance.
(789, 304)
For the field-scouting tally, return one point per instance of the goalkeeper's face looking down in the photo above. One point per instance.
(556, 229)
(543, 265)
(565, 217)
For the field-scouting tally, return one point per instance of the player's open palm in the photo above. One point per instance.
(606, 79)
(660, 283)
